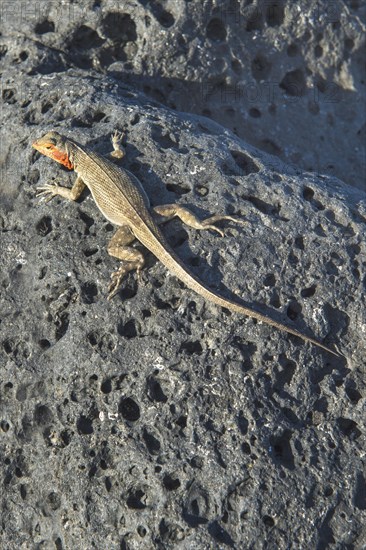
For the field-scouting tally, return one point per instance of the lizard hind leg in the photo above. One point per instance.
(169, 211)
(131, 258)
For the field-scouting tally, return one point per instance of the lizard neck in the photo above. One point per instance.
(70, 152)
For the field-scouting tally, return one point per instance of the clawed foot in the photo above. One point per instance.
(117, 277)
(117, 137)
(50, 189)
(208, 224)
(118, 149)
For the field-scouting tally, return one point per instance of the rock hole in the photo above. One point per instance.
(142, 531)
(54, 500)
(328, 491)
(23, 491)
(106, 386)
(275, 14)
(293, 310)
(42, 415)
(281, 449)
(269, 280)
(4, 425)
(245, 163)
(254, 112)
(164, 138)
(135, 120)
(155, 391)
(308, 292)
(88, 292)
(3, 50)
(268, 521)
(178, 189)
(128, 330)
(308, 193)
(349, 428)
(129, 409)
(318, 51)
(292, 50)
(264, 207)
(299, 243)
(237, 68)
(46, 106)
(85, 38)
(191, 347)
(253, 18)
(182, 422)
(260, 67)
(284, 376)
(86, 219)
(8, 346)
(108, 484)
(62, 324)
(9, 96)
(44, 27)
(164, 17)
(97, 116)
(151, 442)
(136, 500)
(171, 483)
(359, 498)
(93, 338)
(294, 83)
(353, 395)
(65, 438)
(290, 415)
(85, 425)
(216, 30)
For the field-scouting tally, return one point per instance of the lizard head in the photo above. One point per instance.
(53, 145)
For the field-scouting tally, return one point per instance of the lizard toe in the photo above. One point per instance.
(214, 228)
(112, 289)
(116, 280)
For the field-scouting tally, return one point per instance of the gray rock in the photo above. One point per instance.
(287, 77)
(157, 419)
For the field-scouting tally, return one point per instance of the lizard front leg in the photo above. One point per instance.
(53, 189)
(130, 257)
(170, 211)
(118, 149)
(50, 190)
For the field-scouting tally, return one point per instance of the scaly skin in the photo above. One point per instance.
(121, 198)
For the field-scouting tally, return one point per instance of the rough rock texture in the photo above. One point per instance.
(158, 420)
(287, 77)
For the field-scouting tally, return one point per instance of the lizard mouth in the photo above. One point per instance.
(49, 150)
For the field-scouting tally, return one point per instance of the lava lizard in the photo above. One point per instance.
(121, 198)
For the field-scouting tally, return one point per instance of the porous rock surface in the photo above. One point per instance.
(158, 420)
(287, 77)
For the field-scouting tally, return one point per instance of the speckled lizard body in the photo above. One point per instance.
(121, 198)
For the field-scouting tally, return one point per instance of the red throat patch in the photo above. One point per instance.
(62, 158)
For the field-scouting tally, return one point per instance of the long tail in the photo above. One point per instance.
(174, 264)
